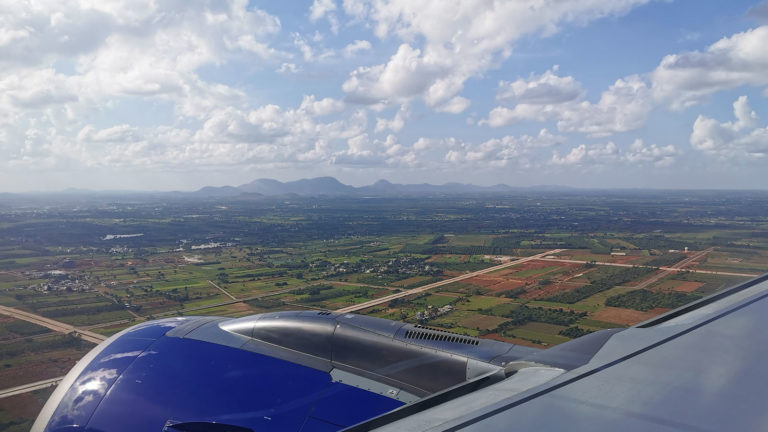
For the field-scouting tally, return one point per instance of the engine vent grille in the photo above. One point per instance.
(324, 313)
(439, 336)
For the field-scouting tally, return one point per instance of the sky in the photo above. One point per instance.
(181, 94)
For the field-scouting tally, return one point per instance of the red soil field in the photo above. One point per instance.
(494, 283)
(548, 290)
(626, 316)
(434, 258)
(688, 286)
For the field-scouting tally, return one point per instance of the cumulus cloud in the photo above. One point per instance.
(461, 39)
(398, 80)
(45, 30)
(362, 151)
(545, 89)
(623, 106)
(498, 152)
(308, 52)
(740, 138)
(288, 68)
(679, 81)
(356, 47)
(119, 53)
(639, 153)
(609, 153)
(397, 123)
(325, 8)
(587, 154)
(682, 80)
(123, 50)
(456, 105)
(268, 134)
(321, 107)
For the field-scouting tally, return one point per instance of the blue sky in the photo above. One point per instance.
(176, 95)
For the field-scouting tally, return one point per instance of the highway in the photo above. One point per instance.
(13, 391)
(52, 324)
(222, 290)
(229, 302)
(97, 338)
(670, 269)
(428, 287)
(656, 277)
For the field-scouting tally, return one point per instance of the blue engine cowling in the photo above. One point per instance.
(283, 371)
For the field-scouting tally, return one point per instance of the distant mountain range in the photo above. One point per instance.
(331, 187)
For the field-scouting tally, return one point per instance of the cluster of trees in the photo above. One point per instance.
(430, 249)
(321, 292)
(574, 332)
(313, 289)
(603, 284)
(644, 300)
(403, 301)
(523, 314)
(54, 343)
(83, 310)
(520, 315)
(424, 282)
(665, 260)
(37, 302)
(23, 328)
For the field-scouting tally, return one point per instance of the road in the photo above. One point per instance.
(672, 269)
(244, 299)
(13, 391)
(428, 287)
(656, 277)
(222, 290)
(52, 324)
(96, 338)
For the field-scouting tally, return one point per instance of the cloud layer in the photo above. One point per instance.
(397, 87)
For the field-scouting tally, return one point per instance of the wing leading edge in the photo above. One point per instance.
(698, 368)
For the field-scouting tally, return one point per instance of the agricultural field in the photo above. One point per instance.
(595, 272)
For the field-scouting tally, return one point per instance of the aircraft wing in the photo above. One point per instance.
(698, 368)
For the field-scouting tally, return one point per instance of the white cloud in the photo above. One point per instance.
(622, 107)
(545, 89)
(266, 135)
(308, 52)
(742, 138)
(639, 153)
(462, 39)
(680, 80)
(456, 105)
(325, 8)
(321, 107)
(499, 152)
(356, 47)
(686, 79)
(503, 116)
(362, 151)
(583, 154)
(288, 68)
(397, 123)
(745, 117)
(399, 79)
(609, 153)
(124, 49)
